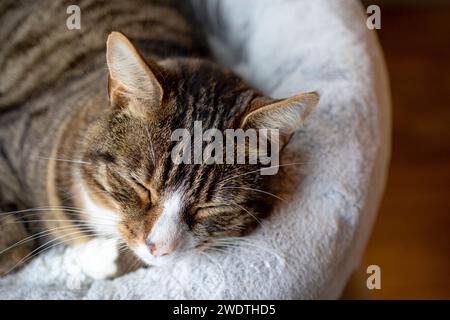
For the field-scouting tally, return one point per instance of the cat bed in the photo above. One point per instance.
(315, 239)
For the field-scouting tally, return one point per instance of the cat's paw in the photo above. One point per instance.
(98, 258)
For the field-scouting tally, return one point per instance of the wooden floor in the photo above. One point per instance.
(411, 239)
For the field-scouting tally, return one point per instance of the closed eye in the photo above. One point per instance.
(142, 190)
(208, 210)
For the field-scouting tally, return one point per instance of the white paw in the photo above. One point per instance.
(97, 258)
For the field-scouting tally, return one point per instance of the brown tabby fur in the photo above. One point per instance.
(56, 121)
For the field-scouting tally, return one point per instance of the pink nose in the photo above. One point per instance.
(159, 250)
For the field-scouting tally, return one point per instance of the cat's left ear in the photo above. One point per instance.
(286, 115)
(130, 77)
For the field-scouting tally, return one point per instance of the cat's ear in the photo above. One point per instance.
(285, 115)
(130, 77)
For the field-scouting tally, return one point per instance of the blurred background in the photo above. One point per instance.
(411, 239)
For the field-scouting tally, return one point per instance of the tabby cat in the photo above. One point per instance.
(85, 148)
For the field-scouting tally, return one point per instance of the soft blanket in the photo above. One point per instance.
(314, 240)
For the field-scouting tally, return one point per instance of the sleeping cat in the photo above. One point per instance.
(85, 147)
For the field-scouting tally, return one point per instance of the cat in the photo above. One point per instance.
(85, 147)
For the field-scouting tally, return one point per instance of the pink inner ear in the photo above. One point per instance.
(129, 71)
(116, 93)
(285, 115)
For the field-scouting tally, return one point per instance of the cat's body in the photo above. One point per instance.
(88, 164)
(52, 79)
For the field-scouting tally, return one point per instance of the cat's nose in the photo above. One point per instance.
(159, 250)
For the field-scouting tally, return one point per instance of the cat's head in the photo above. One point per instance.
(159, 208)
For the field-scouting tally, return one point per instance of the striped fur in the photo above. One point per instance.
(59, 133)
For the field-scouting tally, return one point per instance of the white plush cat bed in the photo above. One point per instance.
(311, 244)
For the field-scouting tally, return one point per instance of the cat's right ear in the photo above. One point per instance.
(130, 77)
(285, 115)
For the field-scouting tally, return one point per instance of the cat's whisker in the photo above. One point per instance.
(92, 223)
(70, 195)
(64, 160)
(249, 213)
(104, 235)
(69, 214)
(38, 250)
(43, 209)
(256, 190)
(151, 149)
(265, 168)
(27, 210)
(49, 210)
(35, 236)
(217, 249)
(50, 231)
(46, 211)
